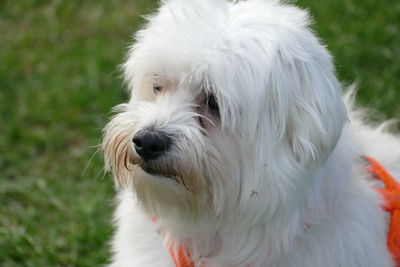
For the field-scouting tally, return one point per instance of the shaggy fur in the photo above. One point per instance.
(272, 177)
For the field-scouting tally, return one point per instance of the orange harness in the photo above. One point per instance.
(390, 195)
(180, 256)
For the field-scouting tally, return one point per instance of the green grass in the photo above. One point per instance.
(364, 37)
(58, 82)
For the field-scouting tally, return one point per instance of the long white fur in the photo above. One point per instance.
(277, 179)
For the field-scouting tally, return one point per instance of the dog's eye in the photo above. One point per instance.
(212, 104)
(157, 88)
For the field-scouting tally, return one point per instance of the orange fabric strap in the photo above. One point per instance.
(391, 197)
(180, 256)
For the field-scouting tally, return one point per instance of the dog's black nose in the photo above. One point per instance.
(150, 145)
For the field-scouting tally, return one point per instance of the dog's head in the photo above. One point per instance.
(231, 104)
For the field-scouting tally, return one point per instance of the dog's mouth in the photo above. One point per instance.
(165, 172)
(151, 170)
(159, 169)
(156, 170)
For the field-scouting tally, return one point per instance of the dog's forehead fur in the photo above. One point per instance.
(187, 33)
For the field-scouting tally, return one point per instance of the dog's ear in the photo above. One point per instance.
(307, 96)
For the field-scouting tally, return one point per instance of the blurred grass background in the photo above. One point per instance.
(59, 80)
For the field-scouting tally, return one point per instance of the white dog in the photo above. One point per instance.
(236, 148)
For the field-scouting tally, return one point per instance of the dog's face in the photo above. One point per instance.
(231, 106)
